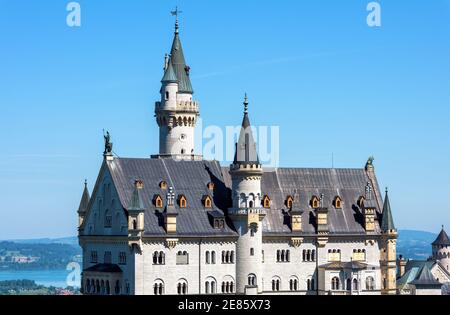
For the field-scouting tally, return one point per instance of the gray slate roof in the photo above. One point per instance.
(190, 178)
(442, 239)
(179, 66)
(84, 203)
(387, 222)
(425, 278)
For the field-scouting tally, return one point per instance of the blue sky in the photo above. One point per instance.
(314, 68)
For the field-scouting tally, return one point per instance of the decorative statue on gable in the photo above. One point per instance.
(108, 143)
(370, 161)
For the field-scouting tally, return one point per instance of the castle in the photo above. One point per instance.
(178, 224)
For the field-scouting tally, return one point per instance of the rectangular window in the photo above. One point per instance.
(182, 258)
(122, 258)
(107, 258)
(334, 255)
(94, 257)
(359, 255)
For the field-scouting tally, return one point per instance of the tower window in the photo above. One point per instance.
(167, 95)
(252, 252)
(182, 151)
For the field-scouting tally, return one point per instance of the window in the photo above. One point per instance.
(337, 202)
(227, 257)
(182, 201)
(207, 202)
(182, 258)
(251, 280)
(355, 285)
(122, 258)
(349, 284)
(182, 287)
(335, 283)
(219, 224)
(276, 283)
(211, 186)
(227, 287)
(334, 255)
(370, 283)
(293, 284)
(158, 201)
(108, 219)
(283, 255)
(213, 258)
(252, 252)
(167, 95)
(94, 258)
(208, 258)
(210, 286)
(266, 202)
(289, 202)
(163, 185)
(315, 202)
(159, 258)
(107, 258)
(310, 284)
(309, 255)
(117, 289)
(359, 255)
(158, 287)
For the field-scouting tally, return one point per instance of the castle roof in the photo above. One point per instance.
(387, 222)
(169, 74)
(84, 203)
(442, 239)
(179, 65)
(425, 278)
(191, 178)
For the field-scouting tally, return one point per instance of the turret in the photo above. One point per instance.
(136, 216)
(247, 213)
(85, 198)
(176, 113)
(388, 249)
(441, 249)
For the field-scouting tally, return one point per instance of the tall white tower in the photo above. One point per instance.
(247, 213)
(441, 249)
(176, 113)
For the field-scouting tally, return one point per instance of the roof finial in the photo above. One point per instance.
(246, 104)
(387, 190)
(85, 183)
(176, 13)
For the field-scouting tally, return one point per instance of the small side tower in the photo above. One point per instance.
(176, 113)
(85, 198)
(247, 213)
(441, 249)
(388, 249)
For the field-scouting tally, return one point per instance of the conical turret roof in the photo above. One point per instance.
(85, 198)
(442, 239)
(387, 222)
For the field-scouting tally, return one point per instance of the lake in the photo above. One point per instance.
(56, 278)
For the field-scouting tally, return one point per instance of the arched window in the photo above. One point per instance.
(308, 284)
(163, 185)
(289, 202)
(158, 201)
(117, 287)
(355, 285)
(252, 252)
(208, 259)
(108, 219)
(370, 283)
(266, 202)
(313, 284)
(335, 283)
(242, 201)
(315, 202)
(134, 224)
(251, 280)
(276, 283)
(210, 286)
(313, 255)
(182, 287)
(207, 202)
(293, 284)
(232, 257)
(182, 201)
(304, 255)
(337, 202)
(213, 257)
(207, 287)
(349, 284)
(159, 258)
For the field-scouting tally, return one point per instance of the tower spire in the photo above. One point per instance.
(175, 13)
(387, 222)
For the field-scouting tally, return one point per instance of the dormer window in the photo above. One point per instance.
(289, 202)
(219, 223)
(361, 202)
(266, 202)
(211, 186)
(315, 202)
(182, 201)
(158, 201)
(163, 185)
(207, 202)
(337, 202)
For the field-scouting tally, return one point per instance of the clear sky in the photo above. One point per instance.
(314, 68)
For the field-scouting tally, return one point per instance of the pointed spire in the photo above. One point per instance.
(246, 152)
(178, 62)
(169, 74)
(136, 202)
(85, 198)
(442, 239)
(387, 222)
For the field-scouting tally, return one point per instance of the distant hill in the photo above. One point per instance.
(411, 244)
(415, 244)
